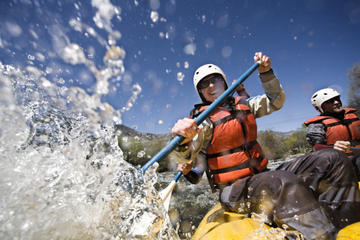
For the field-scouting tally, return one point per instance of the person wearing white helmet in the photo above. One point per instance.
(213, 70)
(323, 96)
(337, 127)
(224, 146)
(329, 169)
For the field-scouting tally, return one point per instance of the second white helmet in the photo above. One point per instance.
(206, 70)
(321, 96)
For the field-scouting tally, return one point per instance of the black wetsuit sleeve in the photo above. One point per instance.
(193, 177)
(315, 133)
(196, 173)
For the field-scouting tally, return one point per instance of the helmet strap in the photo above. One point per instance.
(319, 109)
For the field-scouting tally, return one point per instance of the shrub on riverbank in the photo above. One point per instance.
(277, 145)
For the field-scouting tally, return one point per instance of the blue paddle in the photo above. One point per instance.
(178, 139)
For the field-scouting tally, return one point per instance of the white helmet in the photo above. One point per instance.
(321, 96)
(206, 70)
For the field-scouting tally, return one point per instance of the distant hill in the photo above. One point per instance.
(282, 134)
(139, 148)
(132, 132)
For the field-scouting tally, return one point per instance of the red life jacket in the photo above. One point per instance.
(347, 129)
(233, 152)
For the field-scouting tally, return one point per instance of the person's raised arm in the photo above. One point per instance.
(265, 62)
(274, 96)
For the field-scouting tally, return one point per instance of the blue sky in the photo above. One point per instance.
(312, 44)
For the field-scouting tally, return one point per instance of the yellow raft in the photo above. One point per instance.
(220, 225)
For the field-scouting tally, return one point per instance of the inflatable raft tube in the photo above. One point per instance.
(220, 225)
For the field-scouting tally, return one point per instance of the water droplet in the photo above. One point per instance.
(203, 18)
(73, 54)
(226, 51)
(154, 4)
(14, 29)
(31, 57)
(180, 76)
(186, 64)
(190, 49)
(154, 16)
(141, 154)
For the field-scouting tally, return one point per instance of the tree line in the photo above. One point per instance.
(354, 87)
(277, 145)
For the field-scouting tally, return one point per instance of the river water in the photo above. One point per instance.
(63, 175)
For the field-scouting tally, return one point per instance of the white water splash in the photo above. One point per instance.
(63, 173)
(66, 175)
(73, 54)
(105, 13)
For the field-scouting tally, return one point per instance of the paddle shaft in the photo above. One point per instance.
(178, 139)
(178, 175)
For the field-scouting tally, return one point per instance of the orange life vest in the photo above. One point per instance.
(233, 152)
(347, 129)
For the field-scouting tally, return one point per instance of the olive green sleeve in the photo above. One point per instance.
(272, 100)
(190, 151)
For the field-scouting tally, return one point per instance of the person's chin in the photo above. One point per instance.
(340, 109)
(213, 97)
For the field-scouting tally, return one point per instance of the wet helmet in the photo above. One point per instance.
(204, 71)
(321, 96)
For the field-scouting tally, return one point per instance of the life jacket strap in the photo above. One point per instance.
(247, 164)
(230, 117)
(230, 169)
(242, 148)
(343, 122)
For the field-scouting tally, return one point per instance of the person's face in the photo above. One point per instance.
(332, 105)
(212, 87)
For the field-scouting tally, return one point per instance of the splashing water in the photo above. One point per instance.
(63, 175)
